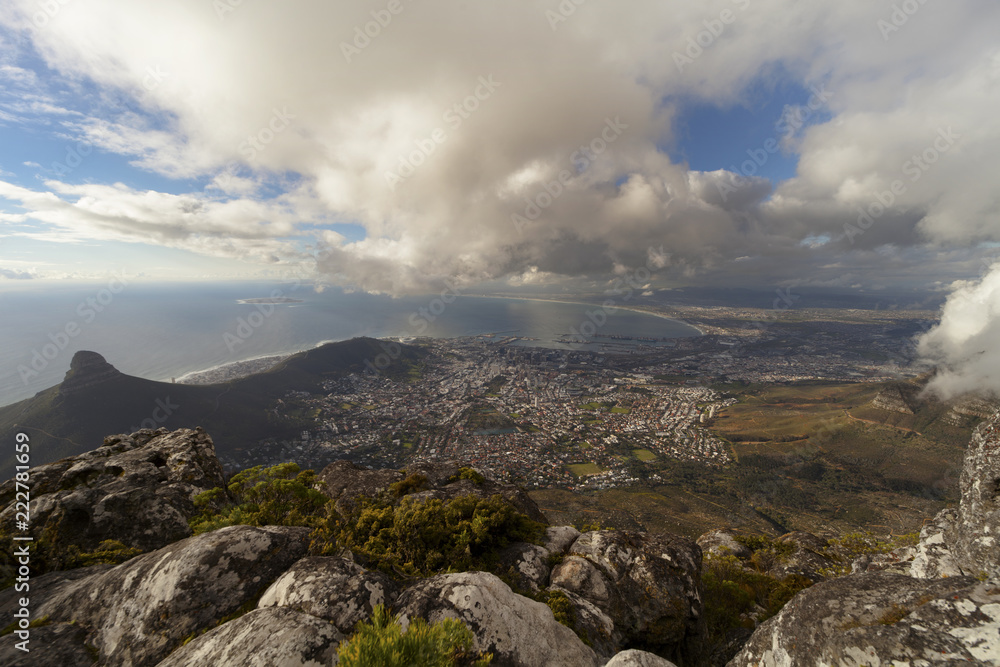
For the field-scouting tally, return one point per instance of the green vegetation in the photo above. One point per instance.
(412, 484)
(421, 538)
(584, 469)
(469, 474)
(381, 642)
(644, 455)
(278, 496)
(734, 593)
(37, 623)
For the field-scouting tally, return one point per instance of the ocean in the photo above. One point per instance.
(164, 331)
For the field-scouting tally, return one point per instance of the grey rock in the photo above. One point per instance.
(517, 630)
(977, 529)
(648, 584)
(56, 645)
(142, 609)
(592, 624)
(934, 557)
(527, 564)
(344, 482)
(558, 539)
(722, 543)
(881, 619)
(136, 489)
(272, 637)
(333, 589)
(45, 586)
(634, 658)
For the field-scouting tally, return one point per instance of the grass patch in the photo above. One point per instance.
(644, 455)
(584, 469)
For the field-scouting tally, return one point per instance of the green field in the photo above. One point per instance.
(584, 469)
(621, 411)
(644, 455)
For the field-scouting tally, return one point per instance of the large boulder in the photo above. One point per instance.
(977, 529)
(334, 589)
(56, 645)
(141, 610)
(934, 557)
(634, 658)
(723, 543)
(527, 566)
(343, 482)
(881, 619)
(647, 584)
(272, 637)
(136, 489)
(558, 539)
(518, 631)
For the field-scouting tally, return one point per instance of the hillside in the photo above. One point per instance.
(95, 399)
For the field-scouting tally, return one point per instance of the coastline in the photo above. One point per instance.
(634, 309)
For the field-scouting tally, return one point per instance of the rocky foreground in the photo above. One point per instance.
(249, 596)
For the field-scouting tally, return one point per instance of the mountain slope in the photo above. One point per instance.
(95, 399)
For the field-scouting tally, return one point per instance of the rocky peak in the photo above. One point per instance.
(86, 370)
(895, 398)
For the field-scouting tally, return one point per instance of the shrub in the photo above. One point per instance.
(382, 643)
(469, 474)
(412, 484)
(278, 496)
(423, 537)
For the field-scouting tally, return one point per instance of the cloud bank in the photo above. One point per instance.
(507, 141)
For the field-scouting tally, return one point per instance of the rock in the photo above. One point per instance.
(723, 543)
(142, 609)
(592, 624)
(44, 586)
(933, 556)
(56, 645)
(136, 489)
(272, 637)
(976, 544)
(333, 589)
(345, 481)
(558, 539)
(647, 584)
(896, 398)
(881, 619)
(634, 658)
(527, 565)
(86, 371)
(808, 559)
(519, 631)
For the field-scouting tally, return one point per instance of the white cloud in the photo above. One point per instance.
(517, 144)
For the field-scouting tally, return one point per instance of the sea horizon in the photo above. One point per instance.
(165, 331)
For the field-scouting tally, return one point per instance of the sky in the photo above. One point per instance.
(392, 145)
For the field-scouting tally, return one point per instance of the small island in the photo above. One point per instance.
(271, 300)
